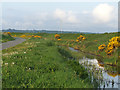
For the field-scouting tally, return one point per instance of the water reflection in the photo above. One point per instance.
(106, 75)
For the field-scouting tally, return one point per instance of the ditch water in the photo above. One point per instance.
(97, 70)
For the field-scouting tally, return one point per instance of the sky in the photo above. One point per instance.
(67, 16)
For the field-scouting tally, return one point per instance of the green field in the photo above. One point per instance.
(48, 63)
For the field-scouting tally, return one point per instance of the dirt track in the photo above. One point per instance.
(11, 43)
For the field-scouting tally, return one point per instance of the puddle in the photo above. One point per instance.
(106, 78)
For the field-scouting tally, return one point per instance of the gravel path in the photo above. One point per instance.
(11, 43)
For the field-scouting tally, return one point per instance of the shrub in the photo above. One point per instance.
(57, 36)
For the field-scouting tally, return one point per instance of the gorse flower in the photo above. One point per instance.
(59, 39)
(23, 36)
(102, 47)
(36, 36)
(29, 36)
(112, 45)
(77, 40)
(80, 38)
(9, 33)
(57, 36)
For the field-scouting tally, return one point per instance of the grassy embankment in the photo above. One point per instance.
(5, 37)
(91, 44)
(40, 63)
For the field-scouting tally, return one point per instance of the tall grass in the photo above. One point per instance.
(38, 64)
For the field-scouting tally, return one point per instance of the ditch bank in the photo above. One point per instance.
(107, 78)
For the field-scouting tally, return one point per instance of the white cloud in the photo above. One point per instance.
(65, 16)
(35, 17)
(60, 14)
(85, 12)
(103, 13)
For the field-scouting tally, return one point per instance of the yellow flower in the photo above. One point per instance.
(81, 38)
(59, 39)
(116, 44)
(110, 44)
(23, 36)
(29, 36)
(84, 38)
(39, 36)
(8, 33)
(101, 47)
(57, 36)
(113, 44)
(77, 40)
(32, 35)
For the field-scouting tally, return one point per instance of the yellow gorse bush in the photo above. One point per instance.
(29, 36)
(80, 38)
(102, 47)
(112, 45)
(36, 36)
(57, 36)
(23, 36)
(8, 33)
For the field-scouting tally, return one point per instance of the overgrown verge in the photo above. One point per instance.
(38, 64)
(5, 38)
(79, 70)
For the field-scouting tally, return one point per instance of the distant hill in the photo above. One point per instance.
(41, 31)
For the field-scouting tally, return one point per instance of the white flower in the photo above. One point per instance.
(24, 52)
(13, 63)
(6, 63)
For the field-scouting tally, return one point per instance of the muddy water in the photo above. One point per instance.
(105, 78)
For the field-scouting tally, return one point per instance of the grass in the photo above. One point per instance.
(90, 45)
(41, 65)
(48, 63)
(5, 38)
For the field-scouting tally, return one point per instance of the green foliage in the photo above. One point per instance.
(6, 38)
(64, 52)
(80, 70)
(50, 43)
